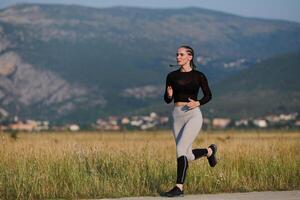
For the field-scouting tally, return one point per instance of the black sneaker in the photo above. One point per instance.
(174, 192)
(212, 160)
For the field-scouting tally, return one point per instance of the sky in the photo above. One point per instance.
(268, 9)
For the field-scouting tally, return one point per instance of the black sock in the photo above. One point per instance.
(198, 153)
(182, 166)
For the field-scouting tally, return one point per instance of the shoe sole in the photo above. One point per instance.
(182, 195)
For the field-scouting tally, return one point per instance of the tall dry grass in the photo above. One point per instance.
(97, 165)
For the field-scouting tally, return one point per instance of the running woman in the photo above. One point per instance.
(182, 86)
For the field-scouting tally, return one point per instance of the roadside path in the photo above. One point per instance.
(269, 195)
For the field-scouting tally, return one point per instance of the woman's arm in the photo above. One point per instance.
(168, 99)
(205, 89)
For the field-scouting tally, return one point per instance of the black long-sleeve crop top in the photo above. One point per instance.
(186, 85)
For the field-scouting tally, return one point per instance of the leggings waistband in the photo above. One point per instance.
(185, 110)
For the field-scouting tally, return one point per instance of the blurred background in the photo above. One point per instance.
(102, 64)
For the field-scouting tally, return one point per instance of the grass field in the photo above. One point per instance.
(98, 165)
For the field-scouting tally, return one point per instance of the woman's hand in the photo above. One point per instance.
(170, 91)
(193, 104)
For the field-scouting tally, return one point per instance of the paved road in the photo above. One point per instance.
(277, 195)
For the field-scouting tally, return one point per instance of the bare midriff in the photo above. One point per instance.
(180, 103)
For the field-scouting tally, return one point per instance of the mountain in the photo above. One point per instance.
(74, 63)
(270, 87)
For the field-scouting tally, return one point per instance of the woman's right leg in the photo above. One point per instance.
(182, 161)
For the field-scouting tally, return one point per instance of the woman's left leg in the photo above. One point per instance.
(191, 130)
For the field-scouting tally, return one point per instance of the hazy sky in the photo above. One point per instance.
(270, 9)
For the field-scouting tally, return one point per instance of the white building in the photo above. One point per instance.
(261, 123)
(221, 122)
(74, 127)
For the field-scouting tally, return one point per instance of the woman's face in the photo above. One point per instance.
(182, 56)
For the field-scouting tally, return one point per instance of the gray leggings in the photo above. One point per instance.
(186, 126)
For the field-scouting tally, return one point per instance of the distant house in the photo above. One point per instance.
(220, 122)
(74, 127)
(101, 122)
(164, 120)
(297, 123)
(21, 126)
(288, 117)
(111, 124)
(29, 125)
(261, 123)
(113, 120)
(125, 120)
(136, 122)
(282, 117)
(111, 127)
(153, 115)
(241, 122)
(147, 126)
(273, 118)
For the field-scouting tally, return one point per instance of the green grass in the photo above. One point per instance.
(99, 165)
